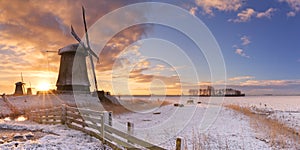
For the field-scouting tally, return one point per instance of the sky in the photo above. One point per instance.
(259, 42)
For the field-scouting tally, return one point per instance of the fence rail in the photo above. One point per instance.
(95, 123)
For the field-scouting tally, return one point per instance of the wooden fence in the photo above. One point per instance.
(95, 123)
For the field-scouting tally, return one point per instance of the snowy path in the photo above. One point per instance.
(58, 137)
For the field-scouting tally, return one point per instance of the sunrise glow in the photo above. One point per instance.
(43, 86)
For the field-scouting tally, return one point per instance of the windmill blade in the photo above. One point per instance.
(81, 43)
(94, 73)
(85, 28)
(75, 35)
(93, 53)
(90, 51)
(77, 38)
(87, 36)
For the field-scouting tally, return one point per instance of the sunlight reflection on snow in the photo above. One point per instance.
(19, 118)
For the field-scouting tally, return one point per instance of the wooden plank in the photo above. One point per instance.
(93, 126)
(85, 111)
(33, 116)
(132, 139)
(47, 113)
(91, 133)
(50, 122)
(74, 116)
(47, 110)
(53, 117)
(92, 119)
(73, 109)
(119, 142)
(91, 112)
(82, 123)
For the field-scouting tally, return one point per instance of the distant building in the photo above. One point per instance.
(20, 89)
(29, 91)
(211, 91)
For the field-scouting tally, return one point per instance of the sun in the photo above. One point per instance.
(43, 86)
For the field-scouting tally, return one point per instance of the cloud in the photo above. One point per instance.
(247, 14)
(295, 6)
(241, 52)
(29, 28)
(252, 86)
(270, 82)
(193, 10)
(291, 14)
(239, 78)
(266, 14)
(221, 5)
(118, 44)
(245, 40)
(244, 16)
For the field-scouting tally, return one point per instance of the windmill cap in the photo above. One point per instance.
(72, 48)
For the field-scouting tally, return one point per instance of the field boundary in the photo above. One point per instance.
(94, 123)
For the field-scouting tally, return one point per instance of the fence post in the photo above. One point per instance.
(179, 143)
(108, 117)
(130, 127)
(63, 114)
(103, 128)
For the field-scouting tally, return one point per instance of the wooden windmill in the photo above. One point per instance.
(75, 78)
(20, 89)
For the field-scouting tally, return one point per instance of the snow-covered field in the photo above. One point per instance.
(227, 129)
(56, 137)
(230, 130)
(203, 125)
(4, 111)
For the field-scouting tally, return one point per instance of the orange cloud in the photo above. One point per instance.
(247, 14)
(240, 78)
(221, 5)
(29, 28)
(269, 82)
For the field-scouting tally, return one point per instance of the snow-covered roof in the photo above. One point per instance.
(71, 48)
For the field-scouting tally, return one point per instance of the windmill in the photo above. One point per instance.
(72, 78)
(20, 89)
(87, 47)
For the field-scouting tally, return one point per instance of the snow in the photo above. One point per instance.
(230, 130)
(291, 119)
(226, 129)
(57, 137)
(4, 111)
(207, 125)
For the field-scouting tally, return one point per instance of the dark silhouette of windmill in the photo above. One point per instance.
(76, 78)
(20, 89)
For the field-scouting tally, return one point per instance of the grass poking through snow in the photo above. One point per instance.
(271, 131)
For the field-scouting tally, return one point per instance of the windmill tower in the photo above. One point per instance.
(72, 78)
(20, 89)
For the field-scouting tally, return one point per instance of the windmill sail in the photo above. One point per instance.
(88, 49)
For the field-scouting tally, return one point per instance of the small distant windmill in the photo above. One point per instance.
(72, 78)
(20, 89)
